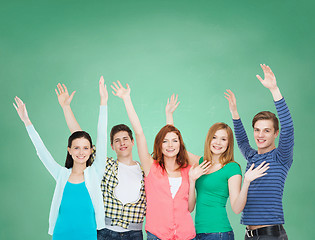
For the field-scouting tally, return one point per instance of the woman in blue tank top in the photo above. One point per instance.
(77, 209)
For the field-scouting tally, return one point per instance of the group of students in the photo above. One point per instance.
(105, 198)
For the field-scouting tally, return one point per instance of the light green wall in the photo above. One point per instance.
(194, 48)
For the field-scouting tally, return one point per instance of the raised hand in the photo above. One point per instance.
(229, 95)
(171, 104)
(103, 91)
(270, 82)
(270, 79)
(21, 110)
(196, 172)
(120, 91)
(63, 96)
(251, 174)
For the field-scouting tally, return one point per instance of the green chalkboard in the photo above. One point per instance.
(196, 49)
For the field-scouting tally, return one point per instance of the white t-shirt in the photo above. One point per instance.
(175, 183)
(128, 188)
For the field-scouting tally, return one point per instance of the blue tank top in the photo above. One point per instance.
(76, 218)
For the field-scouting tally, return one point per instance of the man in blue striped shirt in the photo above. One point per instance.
(263, 213)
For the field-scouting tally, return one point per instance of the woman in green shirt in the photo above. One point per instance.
(222, 180)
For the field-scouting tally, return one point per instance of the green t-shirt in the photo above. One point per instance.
(212, 194)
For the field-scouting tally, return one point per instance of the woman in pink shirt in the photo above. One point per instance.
(170, 196)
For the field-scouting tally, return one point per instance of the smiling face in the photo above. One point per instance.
(122, 144)
(170, 145)
(80, 150)
(219, 142)
(265, 135)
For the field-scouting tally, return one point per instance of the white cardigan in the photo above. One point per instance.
(92, 175)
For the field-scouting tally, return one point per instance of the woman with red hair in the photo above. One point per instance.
(168, 178)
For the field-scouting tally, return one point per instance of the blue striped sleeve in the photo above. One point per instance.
(242, 139)
(284, 152)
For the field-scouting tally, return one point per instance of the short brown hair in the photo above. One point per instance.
(119, 128)
(182, 156)
(266, 115)
(228, 155)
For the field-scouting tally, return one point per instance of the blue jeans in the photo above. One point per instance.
(216, 236)
(150, 236)
(106, 234)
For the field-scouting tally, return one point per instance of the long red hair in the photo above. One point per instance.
(182, 156)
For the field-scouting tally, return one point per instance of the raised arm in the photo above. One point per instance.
(229, 95)
(42, 152)
(286, 139)
(239, 130)
(144, 155)
(170, 107)
(101, 143)
(64, 100)
(195, 172)
(238, 195)
(270, 82)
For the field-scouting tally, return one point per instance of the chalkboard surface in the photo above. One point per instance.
(196, 49)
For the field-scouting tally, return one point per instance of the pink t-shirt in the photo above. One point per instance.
(168, 218)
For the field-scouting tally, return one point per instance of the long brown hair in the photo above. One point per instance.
(228, 155)
(182, 156)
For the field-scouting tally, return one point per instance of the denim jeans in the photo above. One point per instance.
(106, 234)
(150, 236)
(283, 236)
(216, 236)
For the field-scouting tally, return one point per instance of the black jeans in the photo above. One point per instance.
(106, 234)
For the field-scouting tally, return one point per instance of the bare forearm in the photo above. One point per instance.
(235, 115)
(169, 118)
(133, 117)
(240, 202)
(103, 102)
(72, 123)
(27, 122)
(276, 94)
(192, 196)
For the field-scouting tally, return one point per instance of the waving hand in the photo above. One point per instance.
(21, 110)
(63, 96)
(270, 82)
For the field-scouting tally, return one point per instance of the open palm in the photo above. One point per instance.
(120, 91)
(103, 90)
(251, 174)
(196, 172)
(63, 95)
(21, 109)
(172, 104)
(269, 80)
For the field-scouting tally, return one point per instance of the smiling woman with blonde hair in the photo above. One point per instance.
(228, 155)
(222, 180)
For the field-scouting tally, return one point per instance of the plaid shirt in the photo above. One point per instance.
(121, 215)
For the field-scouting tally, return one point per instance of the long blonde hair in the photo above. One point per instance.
(228, 155)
